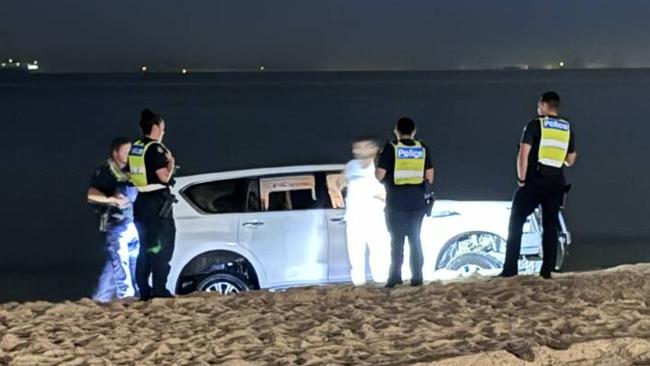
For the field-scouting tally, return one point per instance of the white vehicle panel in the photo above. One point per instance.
(339, 263)
(295, 241)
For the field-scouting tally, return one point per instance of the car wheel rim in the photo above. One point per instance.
(222, 287)
(470, 269)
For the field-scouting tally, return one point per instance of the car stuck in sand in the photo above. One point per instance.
(284, 227)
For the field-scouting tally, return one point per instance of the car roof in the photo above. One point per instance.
(234, 174)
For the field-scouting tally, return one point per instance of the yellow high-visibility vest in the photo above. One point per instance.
(409, 164)
(554, 144)
(138, 167)
(119, 175)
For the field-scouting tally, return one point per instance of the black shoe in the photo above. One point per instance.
(546, 276)
(393, 283)
(506, 274)
(415, 283)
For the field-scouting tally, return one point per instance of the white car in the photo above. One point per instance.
(283, 227)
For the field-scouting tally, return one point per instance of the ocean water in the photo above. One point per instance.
(56, 128)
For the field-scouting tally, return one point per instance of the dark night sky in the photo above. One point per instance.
(109, 36)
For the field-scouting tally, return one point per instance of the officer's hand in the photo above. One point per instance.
(120, 201)
(520, 184)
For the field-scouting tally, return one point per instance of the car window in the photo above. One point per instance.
(296, 192)
(336, 190)
(224, 196)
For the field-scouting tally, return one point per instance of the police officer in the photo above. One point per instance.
(152, 167)
(547, 145)
(405, 168)
(113, 194)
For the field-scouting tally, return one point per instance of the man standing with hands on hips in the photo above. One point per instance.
(152, 168)
(547, 145)
(405, 168)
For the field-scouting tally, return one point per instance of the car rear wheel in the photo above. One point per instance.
(473, 263)
(223, 283)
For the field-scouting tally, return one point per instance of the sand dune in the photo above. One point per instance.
(592, 318)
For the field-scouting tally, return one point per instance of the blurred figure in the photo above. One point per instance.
(113, 194)
(405, 168)
(152, 168)
(546, 147)
(364, 214)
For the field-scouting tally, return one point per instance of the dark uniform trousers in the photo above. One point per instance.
(547, 191)
(401, 225)
(157, 238)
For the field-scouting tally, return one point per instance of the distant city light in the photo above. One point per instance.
(32, 67)
(143, 68)
(35, 62)
(561, 63)
(184, 71)
(17, 63)
(11, 60)
(4, 64)
(262, 68)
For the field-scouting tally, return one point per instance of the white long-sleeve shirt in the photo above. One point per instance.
(363, 189)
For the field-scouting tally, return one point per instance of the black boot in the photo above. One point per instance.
(416, 282)
(393, 282)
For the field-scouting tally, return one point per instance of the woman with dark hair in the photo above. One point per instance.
(152, 168)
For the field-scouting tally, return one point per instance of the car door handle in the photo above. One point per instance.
(338, 220)
(252, 224)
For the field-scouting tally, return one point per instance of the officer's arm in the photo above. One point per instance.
(165, 174)
(571, 159)
(95, 196)
(522, 160)
(380, 174)
(428, 175)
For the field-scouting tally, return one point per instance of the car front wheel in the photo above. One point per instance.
(473, 263)
(223, 283)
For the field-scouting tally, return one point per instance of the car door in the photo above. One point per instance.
(284, 227)
(338, 259)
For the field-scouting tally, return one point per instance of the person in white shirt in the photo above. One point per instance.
(366, 226)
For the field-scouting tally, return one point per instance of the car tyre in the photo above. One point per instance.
(470, 263)
(223, 283)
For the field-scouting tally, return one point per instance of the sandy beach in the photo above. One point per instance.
(590, 318)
